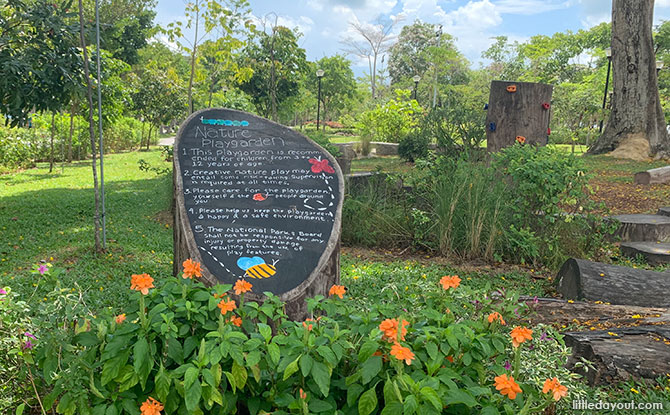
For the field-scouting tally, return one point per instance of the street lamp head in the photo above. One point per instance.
(319, 73)
(416, 78)
(608, 52)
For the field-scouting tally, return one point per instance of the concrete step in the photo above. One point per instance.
(643, 228)
(655, 253)
(665, 211)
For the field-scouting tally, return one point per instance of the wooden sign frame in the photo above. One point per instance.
(325, 274)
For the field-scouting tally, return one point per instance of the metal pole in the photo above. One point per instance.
(318, 106)
(416, 85)
(102, 163)
(607, 83)
(438, 35)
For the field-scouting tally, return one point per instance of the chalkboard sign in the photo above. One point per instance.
(256, 200)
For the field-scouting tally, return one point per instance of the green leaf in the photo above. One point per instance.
(500, 347)
(367, 349)
(367, 402)
(231, 380)
(327, 354)
(431, 348)
(306, 363)
(163, 382)
(321, 376)
(190, 376)
(240, 375)
(265, 331)
(86, 339)
(430, 395)
(353, 392)
(192, 396)
(392, 408)
(253, 358)
(467, 359)
(291, 368)
(274, 353)
(456, 396)
(370, 368)
(19, 409)
(490, 410)
(142, 361)
(317, 405)
(390, 392)
(410, 406)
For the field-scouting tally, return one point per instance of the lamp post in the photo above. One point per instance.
(608, 53)
(416, 79)
(319, 75)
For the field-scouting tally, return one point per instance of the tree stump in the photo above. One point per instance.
(518, 109)
(653, 176)
(579, 279)
(258, 201)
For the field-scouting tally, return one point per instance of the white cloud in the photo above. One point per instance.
(529, 7)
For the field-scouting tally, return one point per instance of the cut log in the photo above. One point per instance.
(385, 149)
(664, 211)
(621, 354)
(579, 279)
(599, 316)
(643, 228)
(653, 176)
(517, 109)
(655, 253)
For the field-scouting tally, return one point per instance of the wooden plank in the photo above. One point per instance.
(653, 176)
(655, 253)
(580, 279)
(519, 113)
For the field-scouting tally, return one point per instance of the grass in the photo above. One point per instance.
(49, 217)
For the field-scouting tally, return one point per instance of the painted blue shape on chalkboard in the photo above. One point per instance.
(228, 122)
(486, 106)
(492, 126)
(244, 123)
(236, 123)
(245, 262)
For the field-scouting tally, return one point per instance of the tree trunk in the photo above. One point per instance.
(636, 124)
(91, 129)
(151, 127)
(69, 137)
(53, 133)
(195, 48)
(580, 279)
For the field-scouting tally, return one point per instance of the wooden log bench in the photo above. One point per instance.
(653, 176)
(580, 279)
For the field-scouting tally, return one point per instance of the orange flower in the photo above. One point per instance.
(554, 386)
(226, 306)
(303, 394)
(449, 281)
(120, 318)
(337, 290)
(308, 326)
(141, 283)
(402, 353)
(520, 139)
(151, 407)
(242, 286)
(236, 320)
(390, 329)
(191, 269)
(496, 316)
(450, 358)
(507, 386)
(520, 335)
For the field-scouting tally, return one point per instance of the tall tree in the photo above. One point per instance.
(204, 17)
(636, 118)
(337, 85)
(370, 42)
(278, 64)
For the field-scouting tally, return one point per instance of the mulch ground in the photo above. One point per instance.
(620, 195)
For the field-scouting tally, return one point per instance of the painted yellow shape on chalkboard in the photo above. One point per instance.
(261, 271)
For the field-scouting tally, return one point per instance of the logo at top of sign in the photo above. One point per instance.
(319, 166)
(230, 123)
(256, 267)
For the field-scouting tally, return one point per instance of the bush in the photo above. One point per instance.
(413, 146)
(389, 122)
(321, 139)
(185, 348)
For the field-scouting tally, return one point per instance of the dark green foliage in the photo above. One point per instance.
(40, 66)
(414, 146)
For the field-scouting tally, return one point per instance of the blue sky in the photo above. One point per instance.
(324, 23)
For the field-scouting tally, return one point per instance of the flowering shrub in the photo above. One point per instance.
(186, 348)
(17, 340)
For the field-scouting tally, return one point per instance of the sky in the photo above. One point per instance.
(325, 23)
